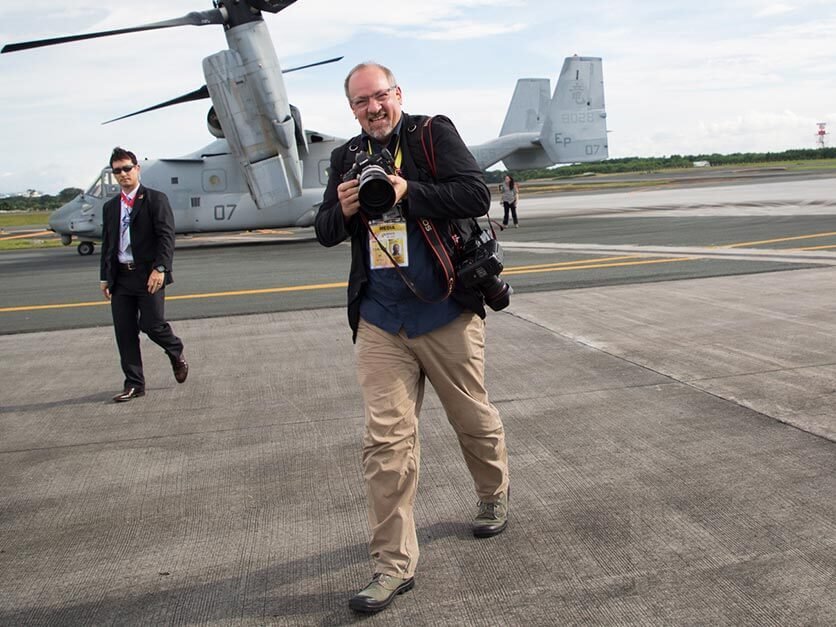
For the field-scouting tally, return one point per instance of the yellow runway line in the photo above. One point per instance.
(268, 290)
(603, 265)
(26, 235)
(780, 239)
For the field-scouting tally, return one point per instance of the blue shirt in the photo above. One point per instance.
(387, 302)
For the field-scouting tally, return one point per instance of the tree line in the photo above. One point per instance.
(645, 164)
(39, 203)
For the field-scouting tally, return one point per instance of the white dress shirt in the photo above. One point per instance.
(125, 253)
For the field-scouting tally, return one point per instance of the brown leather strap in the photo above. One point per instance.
(429, 153)
(429, 232)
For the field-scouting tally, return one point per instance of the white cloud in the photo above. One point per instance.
(454, 31)
(778, 8)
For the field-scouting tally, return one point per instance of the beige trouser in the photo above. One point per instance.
(391, 371)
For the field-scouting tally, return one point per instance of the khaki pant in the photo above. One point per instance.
(391, 370)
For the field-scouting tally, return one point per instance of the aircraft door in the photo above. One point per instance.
(185, 207)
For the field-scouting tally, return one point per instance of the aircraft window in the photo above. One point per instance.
(323, 171)
(214, 180)
(95, 189)
(111, 187)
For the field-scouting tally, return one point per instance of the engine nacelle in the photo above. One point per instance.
(254, 115)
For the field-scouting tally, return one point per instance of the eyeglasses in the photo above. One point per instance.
(381, 96)
(124, 169)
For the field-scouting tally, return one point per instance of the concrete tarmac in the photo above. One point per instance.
(672, 461)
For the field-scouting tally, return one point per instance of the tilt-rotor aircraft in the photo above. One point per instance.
(265, 170)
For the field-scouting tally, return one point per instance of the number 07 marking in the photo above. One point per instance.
(224, 212)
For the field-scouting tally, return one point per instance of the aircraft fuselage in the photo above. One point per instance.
(207, 193)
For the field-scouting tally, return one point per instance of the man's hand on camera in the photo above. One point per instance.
(400, 186)
(349, 196)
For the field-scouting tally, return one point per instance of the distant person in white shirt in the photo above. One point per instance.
(510, 196)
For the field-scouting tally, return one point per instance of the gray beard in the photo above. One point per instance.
(375, 134)
(384, 139)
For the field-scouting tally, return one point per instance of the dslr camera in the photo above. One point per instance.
(377, 195)
(479, 264)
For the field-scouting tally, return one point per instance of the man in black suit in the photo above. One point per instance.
(137, 255)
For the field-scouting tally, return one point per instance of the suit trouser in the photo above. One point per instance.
(135, 310)
(391, 370)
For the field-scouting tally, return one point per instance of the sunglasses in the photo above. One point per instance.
(123, 170)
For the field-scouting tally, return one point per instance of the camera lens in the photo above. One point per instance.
(497, 293)
(377, 196)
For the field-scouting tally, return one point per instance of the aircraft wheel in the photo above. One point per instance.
(85, 248)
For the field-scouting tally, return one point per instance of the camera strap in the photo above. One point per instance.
(430, 233)
(429, 155)
(428, 230)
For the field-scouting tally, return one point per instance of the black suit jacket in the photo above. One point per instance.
(152, 234)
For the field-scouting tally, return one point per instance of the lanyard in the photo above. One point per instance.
(398, 153)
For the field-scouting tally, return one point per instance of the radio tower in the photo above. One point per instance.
(821, 135)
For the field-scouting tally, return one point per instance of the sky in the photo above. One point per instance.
(679, 77)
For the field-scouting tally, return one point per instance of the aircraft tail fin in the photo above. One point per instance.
(524, 120)
(539, 131)
(528, 107)
(575, 127)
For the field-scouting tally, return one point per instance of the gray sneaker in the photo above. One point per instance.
(380, 593)
(492, 517)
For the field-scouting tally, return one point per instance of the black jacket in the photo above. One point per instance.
(152, 234)
(457, 191)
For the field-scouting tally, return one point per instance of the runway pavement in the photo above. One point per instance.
(672, 462)
(567, 241)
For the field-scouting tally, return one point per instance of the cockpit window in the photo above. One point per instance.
(95, 189)
(104, 186)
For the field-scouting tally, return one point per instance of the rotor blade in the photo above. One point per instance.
(203, 92)
(195, 18)
(302, 67)
(197, 94)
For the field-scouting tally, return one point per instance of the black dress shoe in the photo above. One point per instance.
(128, 393)
(181, 369)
